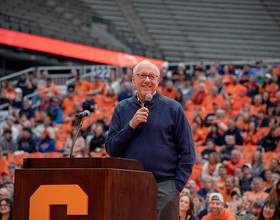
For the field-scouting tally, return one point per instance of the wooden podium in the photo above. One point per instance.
(83, 189)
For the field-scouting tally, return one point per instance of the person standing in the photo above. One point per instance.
(163, 143)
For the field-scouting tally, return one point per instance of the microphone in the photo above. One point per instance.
(83, 114)
(148, 99)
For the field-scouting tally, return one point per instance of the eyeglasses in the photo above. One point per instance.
(143, 76)
(4, 205)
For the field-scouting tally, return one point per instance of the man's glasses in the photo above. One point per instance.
(143, 76)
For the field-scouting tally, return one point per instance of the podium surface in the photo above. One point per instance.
(84, 188)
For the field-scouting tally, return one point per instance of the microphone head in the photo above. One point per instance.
(149, 97)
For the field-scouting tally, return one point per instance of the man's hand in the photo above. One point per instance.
(232, 207)
(140, 116)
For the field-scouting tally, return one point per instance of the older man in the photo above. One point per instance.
(159, 136)
(238, 206)
(235, 161)
(217, 210)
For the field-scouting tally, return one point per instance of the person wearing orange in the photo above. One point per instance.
(97, 87)
(226, 77)
(257, 105)
(68, 102)
(198, 137)
(252, 86)
(221, 120)
(81, 88)
(234, 88)
(50, 87)
(213, 97)
(238, 101)
(202, 79)
(268, 86)
(211, 167)
(235, 161)
(220, 183)
(170, 90)
(10, 91)
(243, 124)
(229, 186)
(272, 123)
(250, 137)
(197, 169)
(217, 210)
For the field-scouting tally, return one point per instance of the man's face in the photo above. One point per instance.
(238, 201)
(234, 156)
(229, 184)
(222, 172)
(208, 184)
(257, 185)
(216, 207)
(145, 86)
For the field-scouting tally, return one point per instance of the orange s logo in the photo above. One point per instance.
(46, 195)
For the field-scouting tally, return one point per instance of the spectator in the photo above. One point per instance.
(7, 143)
(186, 191)
(233, 130)
(27, 110)
(30, 88)
(274, 166)
(225, 153)
(229, 186)
(198, 202)
(27, 143)
(239, 100)
(257, 105)
(238, 206)
(197, 135)
(186, 208)
(261, 120)
(89, 104)
(68, 102)
(112, 82)
(197, 168)
(270, 141)
(234, 88)
(191, 184)
(22, 81)
(5, 193)
(259, 70)
(10, 92)
(43, 127)
(54, 112)
(200, 95)
(43, 90)
(205, 211)
(246, 71)
(257, 163)
(44, 75)
(208, 186)
(256, 196)
(252, 86)
(46, 102)
(234, 161)
(210, 148)
(4, 100)
(179, 98)
(79, 145)
(275, 193)
(47, 144)
(97, 87)
(267, 184)
(126, 93)
(81, 88)
(220, 183)
(275, 177)
(10, 187)
(250, 137)
(170, 90)
(212, 166)
(17, 102)
(267, 103)
(217, 210)
(215, 135)
(222, 88)
(98, 139)
(269, 211)
(11, 125)
(187, 89)
(213, 74)
(226, 76)
(6, 209)
(213, 97)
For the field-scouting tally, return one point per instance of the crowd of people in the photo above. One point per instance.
(234, 117)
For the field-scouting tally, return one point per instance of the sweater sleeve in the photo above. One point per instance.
(185, 148)
(118, 137)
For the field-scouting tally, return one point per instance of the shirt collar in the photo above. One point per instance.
(139, 100)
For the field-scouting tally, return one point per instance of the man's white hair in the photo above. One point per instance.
(144, 62)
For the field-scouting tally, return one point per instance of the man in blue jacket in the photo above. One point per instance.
(163, 143)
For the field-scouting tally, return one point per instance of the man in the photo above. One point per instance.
(5, 194)
(7, 143)
(225, 153)
(235, 161)
(54, 112)
(257, 195)
(233, 130)
(238, 206)
(27, 143)
(220, 184)
(163, 143)
(208, 183)
(229, 186)
(43, 127)
(217, 210)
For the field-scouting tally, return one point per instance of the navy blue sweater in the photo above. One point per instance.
(164, 144)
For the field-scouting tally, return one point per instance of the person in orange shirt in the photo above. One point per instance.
(169, 90)
(234, 88)
(229, 186)
(243, 124)
(249, 136)
(257, 105)
(97, 87)
(50, 87)
(198, 137)
(10, 91)
(202, 79)
(81, 88)
(220, 184)
(235, 161)
(197, 169)
(68, 102)
(226, 77)
(213, 97)
(272, 123)
(217, 210)
(238, 101)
